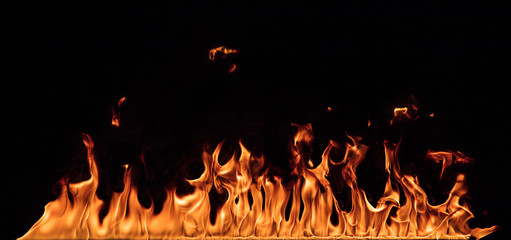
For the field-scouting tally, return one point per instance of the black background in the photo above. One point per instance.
(72, 60)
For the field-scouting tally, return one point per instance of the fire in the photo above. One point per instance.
(115, 112)
(223, 52)
(409, 112)
(261, 205)
(448, 158)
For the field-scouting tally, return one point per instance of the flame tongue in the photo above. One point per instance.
(258, 205)
(68, 216)
(115, 112)
(222, 53)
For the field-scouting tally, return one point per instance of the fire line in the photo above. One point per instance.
(188, 217)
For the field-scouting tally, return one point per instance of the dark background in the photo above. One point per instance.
(72, 60)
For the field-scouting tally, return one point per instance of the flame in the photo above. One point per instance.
(262, 206)
(409, 112)
(448, 158)
(223, 52)
(115, 112)
(232, 67)
(400, 114)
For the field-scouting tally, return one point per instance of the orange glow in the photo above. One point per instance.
(256, 203)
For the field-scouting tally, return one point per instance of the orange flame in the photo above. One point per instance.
(232, 67)
(115, 113)
(256, 205)
(223, 52)
(409, 112)
(448, 158)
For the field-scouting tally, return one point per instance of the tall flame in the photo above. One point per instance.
(261, 205)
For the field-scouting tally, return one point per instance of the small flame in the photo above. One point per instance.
(400, 111)
(409, 112)
(115, 112)
(223, 52)
(399, 114)
(119, 103)
(232, 67)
